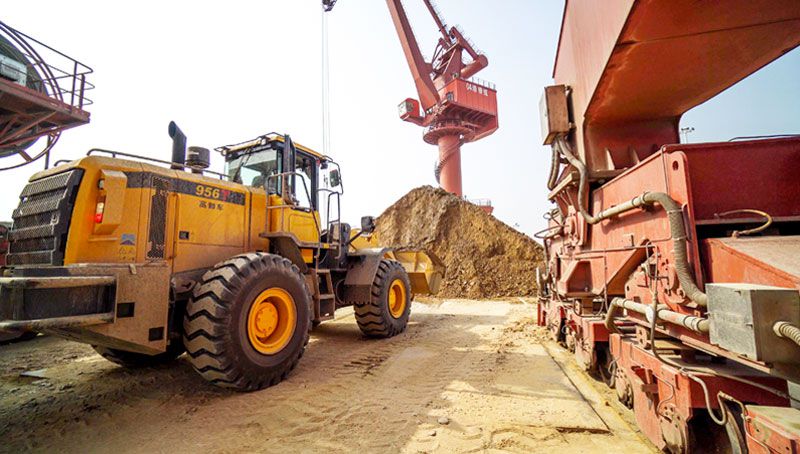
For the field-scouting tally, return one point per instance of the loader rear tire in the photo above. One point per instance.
(247, 324)
(387, 313)
(134, 360)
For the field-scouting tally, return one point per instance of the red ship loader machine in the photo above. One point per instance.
(673, 270)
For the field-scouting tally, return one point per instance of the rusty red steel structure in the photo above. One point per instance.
(453, 107)
(649, 234)
(42, 93)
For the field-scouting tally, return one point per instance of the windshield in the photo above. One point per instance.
(255, 167)
(252, 169)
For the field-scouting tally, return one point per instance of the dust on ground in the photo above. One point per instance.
(466, 376)
(484, 258)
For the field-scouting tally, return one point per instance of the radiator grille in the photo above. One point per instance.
(41, 221)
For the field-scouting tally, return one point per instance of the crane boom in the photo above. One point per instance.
(420, 69)
(438, 19)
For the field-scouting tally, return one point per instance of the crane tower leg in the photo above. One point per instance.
(450, 164)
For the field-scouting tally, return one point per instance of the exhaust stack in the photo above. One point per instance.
(178, 146)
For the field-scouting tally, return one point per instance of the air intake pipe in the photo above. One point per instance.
(178, 146)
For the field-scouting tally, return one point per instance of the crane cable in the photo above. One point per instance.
(326, 116)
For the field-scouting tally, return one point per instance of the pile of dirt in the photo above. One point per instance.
(484, 258)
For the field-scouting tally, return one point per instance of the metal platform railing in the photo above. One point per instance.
(482, 83)
(47, 70)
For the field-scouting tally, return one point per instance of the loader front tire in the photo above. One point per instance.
(387, 313)
(134, 360)
(247, 324)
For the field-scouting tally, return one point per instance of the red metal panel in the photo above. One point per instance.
(473, 96)
(633, 65)
(588, 34)
(761, 174)
(766, 260)
(772, 430)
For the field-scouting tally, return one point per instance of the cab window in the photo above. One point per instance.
(253, 169)
(258, 169)
(305, 191)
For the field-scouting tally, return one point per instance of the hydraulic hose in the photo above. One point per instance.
(562, 147)
(555, 166)
(674, 214)
(787, 330)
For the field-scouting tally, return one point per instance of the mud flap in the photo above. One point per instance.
(424, 271)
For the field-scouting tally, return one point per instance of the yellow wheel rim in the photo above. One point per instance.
(271, 321)
(397, 298)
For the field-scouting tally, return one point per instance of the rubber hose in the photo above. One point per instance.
(787, 330)
(555, 166)
(563, 148)
(680, 253)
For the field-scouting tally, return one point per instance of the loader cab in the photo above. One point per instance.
(260, 163)
(312, 209)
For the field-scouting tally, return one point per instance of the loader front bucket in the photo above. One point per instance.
(425, 270)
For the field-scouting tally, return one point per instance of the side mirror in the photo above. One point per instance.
(334, 178)
(367, 224)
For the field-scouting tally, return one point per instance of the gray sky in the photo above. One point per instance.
(229, 71)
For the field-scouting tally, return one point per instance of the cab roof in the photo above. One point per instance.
(265, 139)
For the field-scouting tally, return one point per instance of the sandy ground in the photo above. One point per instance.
(467, 376)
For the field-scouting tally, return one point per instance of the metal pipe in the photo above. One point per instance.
(57, 281)
(787, 330)
(674, 214)
(696, 324)
(178, 146)
(611, 314)
(57, 322)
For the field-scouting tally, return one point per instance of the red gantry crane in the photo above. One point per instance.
(455, 108)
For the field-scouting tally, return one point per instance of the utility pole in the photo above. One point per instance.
(685, 133)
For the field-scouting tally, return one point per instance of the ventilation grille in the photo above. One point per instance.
(41, 221)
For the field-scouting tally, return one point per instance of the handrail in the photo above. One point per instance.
(62, 161)
(224, 149)
(329, 222)
(332, 193)
(114, 154)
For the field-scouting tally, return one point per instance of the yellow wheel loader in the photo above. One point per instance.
(145, 259)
